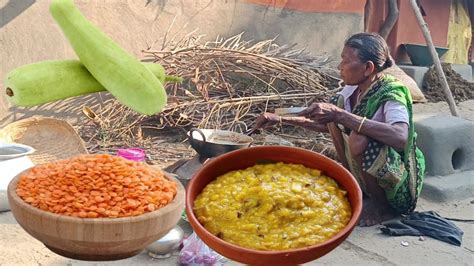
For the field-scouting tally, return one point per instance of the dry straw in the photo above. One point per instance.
(227, 82)
(230, 81)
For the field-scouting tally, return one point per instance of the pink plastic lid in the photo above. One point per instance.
(132, 154)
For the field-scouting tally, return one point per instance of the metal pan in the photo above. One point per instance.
(291, 111)
(214, 142)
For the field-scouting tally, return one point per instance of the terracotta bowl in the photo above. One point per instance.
(96, 238)
(241, 159)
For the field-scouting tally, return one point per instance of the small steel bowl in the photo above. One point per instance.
(14, 150)
(165, 246)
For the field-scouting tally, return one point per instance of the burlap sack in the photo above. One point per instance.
(415, 91)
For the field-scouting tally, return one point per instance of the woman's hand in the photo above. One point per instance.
(266, 120)
(323, 113)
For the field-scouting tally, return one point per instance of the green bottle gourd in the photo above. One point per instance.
(119, 72)
(53, 80)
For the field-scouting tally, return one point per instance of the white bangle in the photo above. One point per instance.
(361, 123)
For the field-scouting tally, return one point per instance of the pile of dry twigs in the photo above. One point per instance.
(230, 81)
(227, 82)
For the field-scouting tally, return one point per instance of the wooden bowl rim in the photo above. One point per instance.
(213, 163)
(178, 200)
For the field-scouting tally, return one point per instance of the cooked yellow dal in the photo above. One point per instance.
(273, 207)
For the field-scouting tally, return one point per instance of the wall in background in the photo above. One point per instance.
(407, 29)
(29, 34)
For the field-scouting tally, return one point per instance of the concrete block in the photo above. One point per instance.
(464, 70)
(415, 72)
(472, 69)
(447, 143)
(457, 186)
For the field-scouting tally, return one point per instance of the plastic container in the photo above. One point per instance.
(132, 154)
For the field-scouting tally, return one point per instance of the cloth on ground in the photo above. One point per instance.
(427, 223)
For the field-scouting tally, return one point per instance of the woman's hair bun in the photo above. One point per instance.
(388, 63)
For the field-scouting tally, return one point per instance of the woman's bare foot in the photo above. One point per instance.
(374, 213)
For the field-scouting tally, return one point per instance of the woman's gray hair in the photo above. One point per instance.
(371, 47)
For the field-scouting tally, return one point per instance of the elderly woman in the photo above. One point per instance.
(370, 122)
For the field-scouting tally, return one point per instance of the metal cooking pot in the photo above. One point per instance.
(214, 142)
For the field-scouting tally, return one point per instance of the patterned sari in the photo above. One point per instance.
(400, 174)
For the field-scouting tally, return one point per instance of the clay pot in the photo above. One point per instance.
(243, 158)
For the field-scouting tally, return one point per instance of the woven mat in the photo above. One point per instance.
(53, 139)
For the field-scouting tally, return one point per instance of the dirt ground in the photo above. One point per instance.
(466, 109)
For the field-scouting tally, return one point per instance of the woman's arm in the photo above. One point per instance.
(304, 122)
(395, 135)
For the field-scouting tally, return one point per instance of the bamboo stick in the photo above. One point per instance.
(434, 56)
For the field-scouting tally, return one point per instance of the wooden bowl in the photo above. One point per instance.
(96, 238)
(241, 159)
